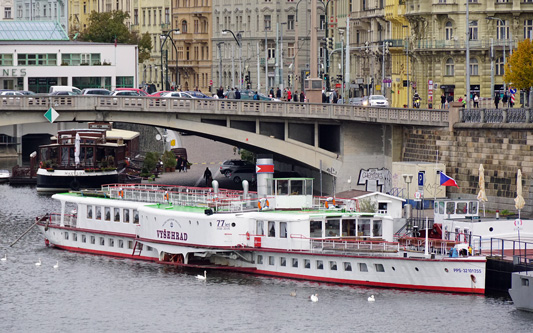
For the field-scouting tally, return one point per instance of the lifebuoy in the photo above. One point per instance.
(121, 193)
(332, 202)
(75, 185)
(166, 196)
(263, 203)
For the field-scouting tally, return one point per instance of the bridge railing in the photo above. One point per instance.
(429, 117)
(510, 115)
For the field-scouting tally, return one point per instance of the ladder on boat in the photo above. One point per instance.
(137, 249)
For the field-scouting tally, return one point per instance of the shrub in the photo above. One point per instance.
(169, 159)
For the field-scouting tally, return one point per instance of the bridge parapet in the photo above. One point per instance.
(420, 117)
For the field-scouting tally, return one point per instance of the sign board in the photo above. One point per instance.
(518, 224)
(51, 115)
(513, 90)
(210, 82)
(421, 178)
(418, 196)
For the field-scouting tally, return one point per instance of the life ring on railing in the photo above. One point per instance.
(121, 194)
(263, 203)
(165, 196)
(328, 201)
(247, 235)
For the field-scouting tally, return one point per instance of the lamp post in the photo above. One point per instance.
(239, 44)
(219, 64)
(407, 178)
(407, 60)
(164, 38)
(328, 78)
(502, 23)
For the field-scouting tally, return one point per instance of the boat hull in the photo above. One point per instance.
(521, 292)
(65, 180)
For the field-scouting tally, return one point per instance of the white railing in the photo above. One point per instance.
(353, 245)
(69, 220)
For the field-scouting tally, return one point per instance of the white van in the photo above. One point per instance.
(75, 90)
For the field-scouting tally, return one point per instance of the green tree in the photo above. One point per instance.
(519, 68)
(247, 155)
(109, 27)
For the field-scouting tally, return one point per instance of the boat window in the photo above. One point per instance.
(259, 228)
(89, 212)
(93, 240)
(89, 156)
(436, 207)
(64, 156)
(348, 228)
(107, 214)
(130, 245)
(377, 228)
(283, 229)
(148, 248)
(126, 213)
(347, 266)
(120, 243)
(525, 282)
(472, 207)
(379, 268)
(282, 261)
(363, 227)
(83, 239)
(296, 187)
(271, 260)
(271, 229)
(102, 241)
(450, 207)
(362, 267)
(441, 207)
(295, 262)
(283, 187)
(75, 237)
(111, 242)
(66, 235)
(333, 265)
(307, 263)
(461, 208)
(135, 216)
(260, 259)
(333, 228)
(319, 264)
(308, 187)
(98, 212)
(382, 207)
(117, 214)
(315, 229)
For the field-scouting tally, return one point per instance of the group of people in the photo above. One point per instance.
(333, 97)
(505, 99)
(287, 95)
(182, 164)
(233, 93)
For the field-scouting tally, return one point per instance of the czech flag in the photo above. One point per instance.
(447, 181)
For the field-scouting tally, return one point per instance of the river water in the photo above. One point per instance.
(89, 293)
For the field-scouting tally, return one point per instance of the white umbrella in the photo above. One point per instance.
(77, 149)
(519, 202)
(481, 196)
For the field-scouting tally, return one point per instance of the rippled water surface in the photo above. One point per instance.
(90, 293)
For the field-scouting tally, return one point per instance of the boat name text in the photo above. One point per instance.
(167, 234)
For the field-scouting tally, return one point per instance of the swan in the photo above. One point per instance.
(38, 263)
(293, 293)
(57, 264)
(314, 298)
(4, 258)
(202, 277)
(371, 298)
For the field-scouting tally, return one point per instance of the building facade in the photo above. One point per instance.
(41, 10)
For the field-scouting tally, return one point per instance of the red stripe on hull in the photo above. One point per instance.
(104, 253)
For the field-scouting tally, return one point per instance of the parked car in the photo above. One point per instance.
(177, 94)
(376, 100)
(243, 174)
(27, 92)
(159, 93)
(230, 166)
(11, 93)
(63, 93)
(197, 94)
(96, 91)
(140, 92)
(125, 93)
(75, 90)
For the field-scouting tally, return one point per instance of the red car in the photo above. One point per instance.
(159, 93)
(140, 91)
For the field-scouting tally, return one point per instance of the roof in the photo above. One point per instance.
(32, 30)
(121, 134)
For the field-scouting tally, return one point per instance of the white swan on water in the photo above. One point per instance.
(202, 277)
(314, 298)
(371, 298)
(4, 258)
(57, 264)
(38, 263)
(293, 293)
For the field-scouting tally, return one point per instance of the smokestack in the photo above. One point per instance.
(264, 170)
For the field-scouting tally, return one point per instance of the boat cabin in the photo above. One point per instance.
(446, 209)
(290, 193)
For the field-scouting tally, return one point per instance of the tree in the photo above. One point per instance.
(109, 27)
(519, 68)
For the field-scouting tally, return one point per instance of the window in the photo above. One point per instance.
(283, 261)
(83, 239)
(98, 212)
(322, 23)
(268, 22)
(290, 22)
(167, 15)
(126, 215)
(107, 213)
(32, 59)
(259, 228)
(525, 282)
(474, 66)
(362, 267)
(136, 16)
(363, 228)
(7, 12)
(150, 17)
(347, 266)
(315, 229)
(184, 27)
(377, 228)
(116, 214)
(271, 51)
(333, 265)
(333, 228)
(89, 212)
(75, 237)
(379, 268)
(271, 229)
(294, 262)
(135, 216)
(283, 229)
(528, 29)
(102, 241)
(473, 30)
(290, 50)
(500, 68)
(93, 240)
(144, 17)
(111, 242)
(307, 263)
(319, 264)
(461, 208)
(120, 243)
(449, 30)
(6, 59)
(449, 67)
(130, 245)
(502, 31)
(66, 235)
(260, 259)
(271, 260)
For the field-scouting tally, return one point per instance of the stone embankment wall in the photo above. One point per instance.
(501, 148)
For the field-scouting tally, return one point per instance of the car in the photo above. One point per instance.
(27, 92)
(376, 100)
(243, 174)
(140, 92)
(11, 93)
(125, 93)
(230, 166)
(96, 91)
(159, 93)
(248, 94)
(177, 94)
(75, 90)
(197, 94)
(356, 101)
(63, 93)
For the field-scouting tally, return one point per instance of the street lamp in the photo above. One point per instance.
(328, 82)
(407, 178)
(502, 23)
(164, 38)
(239, 44)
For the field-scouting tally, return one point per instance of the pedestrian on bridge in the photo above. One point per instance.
(237, 94)
(271, 92)
(295, 96)
(231, 94)
(278, 93)
(442, 101)
(496, 99)
(302, 97)
(208, 176)
(220, 93)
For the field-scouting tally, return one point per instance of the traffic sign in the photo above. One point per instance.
(513, 90)
(421, 178)
(418, 196)
(51, 115)
(518, 224)
(210, 82)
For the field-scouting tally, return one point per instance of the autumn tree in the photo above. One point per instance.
(519, 68)
(110, 27)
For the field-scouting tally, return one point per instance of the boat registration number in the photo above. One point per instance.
(467, 270)
(222, 225)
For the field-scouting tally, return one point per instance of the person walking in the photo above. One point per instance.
(179, 164)
(271, 92)
(449, 99)
(464, 101)
(237, 94)
(302, 97)
(231, 94)
(184, 164)
(442, 101)
(278, 93)
(289, 95)
(476, 101)
(220, 93)
(505, 99)
(208, 176)
(496, 99)
(324, 97)
(284, 94)
(295, 96)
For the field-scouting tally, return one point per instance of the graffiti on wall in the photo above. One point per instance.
(375, 180)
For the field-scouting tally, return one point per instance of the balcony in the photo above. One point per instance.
(395, 42)
(461, 44)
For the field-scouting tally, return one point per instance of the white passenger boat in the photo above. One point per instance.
(285, 232)
(522, 290)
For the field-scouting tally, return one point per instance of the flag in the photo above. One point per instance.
(115, 40)
(447, 181)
